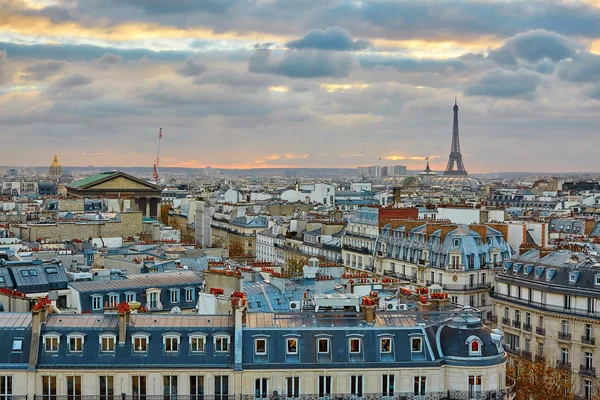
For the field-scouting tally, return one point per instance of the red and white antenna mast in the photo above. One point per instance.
(157, 162)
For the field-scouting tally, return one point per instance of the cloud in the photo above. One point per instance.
(3, 66)
(301, 64)
(405, 64)
(296, 156)
(191, 68)
(71, 81)
(534, 46)
(109, 60)
(408, 158)
(583, 68)
(161, 7)
(503, 83)
(334, 38)
(43, 69)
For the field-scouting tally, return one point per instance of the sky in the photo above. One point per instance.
(301, 83)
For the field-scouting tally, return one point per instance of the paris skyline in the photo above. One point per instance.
(260, 84)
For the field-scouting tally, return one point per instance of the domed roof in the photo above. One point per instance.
(55, 163)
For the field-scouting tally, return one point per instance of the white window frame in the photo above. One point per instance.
(172, 292)
(75, 336)
(17, 344)
(98, 298)
(51, 336)
(469, 342)
(107, 336)
(287, 347)
(222, 338)
(172, 338)
(420, 339)
(266, 343)
(189, 298)
(144, 336)
(350, 339)
(130, 297)
(328, 341)
(294, 388)
(197, 337)
(114, 296)
(381, 345)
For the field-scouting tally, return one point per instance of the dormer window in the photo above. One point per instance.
(75, 343)
(171, 343)
(416, 345)
(260, 346)
(140, 343)
(197, 343)
(597, 280)
(107, 343)
(222, 344)
(175, 295)
(323, 346)
(292, 346)
(456, 242)
(385, 345)
(474, 344)
(572, 277)
(51, 343)
(97, 303)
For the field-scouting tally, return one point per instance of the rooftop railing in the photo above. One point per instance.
(542, 306)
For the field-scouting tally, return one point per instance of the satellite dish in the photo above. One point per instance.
(175, 310)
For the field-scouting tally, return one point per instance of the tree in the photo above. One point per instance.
(236, 248)
(294, 265)
(536, 380)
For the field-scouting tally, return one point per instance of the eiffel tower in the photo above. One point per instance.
(455, 159)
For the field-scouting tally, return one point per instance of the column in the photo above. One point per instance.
(148, 207)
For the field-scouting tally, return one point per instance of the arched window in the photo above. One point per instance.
(474, 344)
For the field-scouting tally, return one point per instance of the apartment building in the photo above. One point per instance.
(547, 305)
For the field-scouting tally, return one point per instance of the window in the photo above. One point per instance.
(113, 300)
(51, 343)
(73, 387)
(588, 361)
(197, 343)
(174, 296)
(96, 303)
(48, 387)
(356, 385)
(51, 270)
(292, 386)
(140, 344)
(454, 299)
(107, 387)
(292, 346)
(6, 387)
(170, 387)
(385, 345)
(456, 242)
(517, 316)
(567, 302)
(564, 355)
(189, 295)
(591, 305)
(475, 347)
(475, 344)
(597, 279)
(107, 343)
(572, 278)
(587, 390)
(130, 297)
(171, 344)
(221, 387)
(2, 279)
(17, 345)
(25, 273)
(324, 386)
(322, 346)
(196, 387)
(260, 347)
(565, 327)
(261, 388)
(588, 332)
(138, 387)
(33, 272)
(222, 343)
(420, 385)
(355, 345)
(475, 386)
(75, 344)
(416, 345)
(387, 385)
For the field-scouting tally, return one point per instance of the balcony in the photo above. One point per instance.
(564, 365)
(516, 324)
(493, 319)
(527, 327)
(505, 321)
(512, 350)
(564, 335)
(526, 354)
(540, 331)
(361, 235)
(542, 306)
(474, 286)
(587, 370)
(356, 249)
(585, 339)
(540, 358)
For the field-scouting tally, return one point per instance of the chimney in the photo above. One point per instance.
(39, 313)
(239, 304)
(447, 229)
(502, 228)
(432, 227)
(124, 318)
(481, 230)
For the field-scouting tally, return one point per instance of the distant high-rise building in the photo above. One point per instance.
(397, 170)
(55, 171)
(371, 171)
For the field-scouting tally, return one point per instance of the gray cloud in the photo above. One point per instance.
(583, 68)
(503, 83)
(301, 64)
(71, 81)
(191, 68)
(405, 64)
(3, 67)
(334, 38)
(43, 69)
(534, 46)
(161, 7)
(109, 60)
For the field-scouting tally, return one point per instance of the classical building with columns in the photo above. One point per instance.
(116, 184)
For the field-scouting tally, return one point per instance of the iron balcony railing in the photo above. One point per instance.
(542, 306)
(588, 340)
(587, 370)
(474, 286)
(505, 321)
(564, 335)
(512, 350)
(563, 365)
(526, 354)
(527, 327)
(516, 324)
(503, 394)
(540, 331)
(540, 358)
(364, 250)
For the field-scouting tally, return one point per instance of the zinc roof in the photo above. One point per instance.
(142, 280)
(15, 319)
(91, 179)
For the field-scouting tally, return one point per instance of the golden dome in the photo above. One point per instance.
(55, 163)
